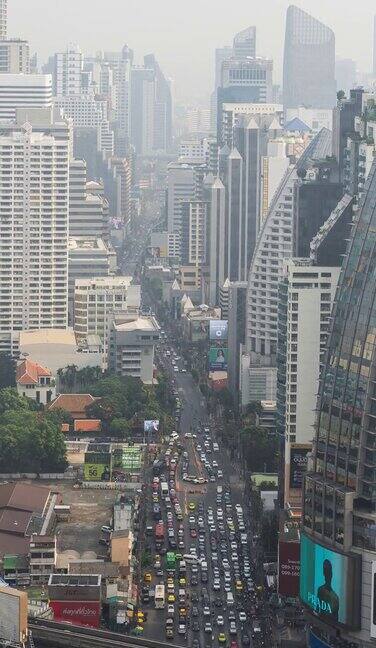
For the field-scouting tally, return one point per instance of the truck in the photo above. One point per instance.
(159, 534)
(159, 596)
(164, 489)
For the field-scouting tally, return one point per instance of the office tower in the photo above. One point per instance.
(67, 72)
(305, 299)
(88, 212)
(234, 233)
(215, 192)
(14, 56)
(34, 194)
(142, 109)
(339, 495)
(244, 81)
(180, 188)
(309, 60)
(3, 19)
(24, 91)
(194, 239)
(273, 167)
(345, 75)
(123, 87)
(221, 54)
(244, 43)
(236, 334)
(162, 108)
(274, 244)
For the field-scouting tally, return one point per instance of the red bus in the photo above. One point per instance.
(159, 533)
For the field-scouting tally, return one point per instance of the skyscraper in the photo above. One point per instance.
(142, 109)
(162, 106)
(3, 18)
(245, 43)
(124, 90)
(374, 45)
(339, 498)
(34, 194)
(67, 75)
(309, 62)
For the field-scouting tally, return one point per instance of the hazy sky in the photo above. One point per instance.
(184, 33)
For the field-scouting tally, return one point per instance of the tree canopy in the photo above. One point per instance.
(7, 371)
(30, 440)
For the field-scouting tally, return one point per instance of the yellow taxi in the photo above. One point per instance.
(140, 617)
(147, 577)
(182, 611)
(222, 638)
(192, 506)
(239, 586)
(182, 581)
(171, 598)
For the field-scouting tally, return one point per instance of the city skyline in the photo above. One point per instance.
(146, 30)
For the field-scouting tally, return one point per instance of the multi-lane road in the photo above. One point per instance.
(215, 527)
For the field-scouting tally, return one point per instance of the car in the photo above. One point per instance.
(147, 577)
(231, 615)
(182, 629)
(194, 581)
(204, 577)
(242, 617)
(171, 598)
(195, 626)
(218, 602)
(194, 597)
(232, 629)
(170, 610)
(216, 584)
(195, 643)
(239, 586)
(195, 611)
(191, 506)
(206, 610)
(169, 633)
(182, 581)
(220, 620)
(245, 640)
(220, 474)
(208, 628)
(222, 638)
(193, 533)
(106, 529)
(234, 644)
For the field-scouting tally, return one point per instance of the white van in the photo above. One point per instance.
(230, 598)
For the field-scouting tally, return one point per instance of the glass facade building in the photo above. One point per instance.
(340, 490)
(309, 62)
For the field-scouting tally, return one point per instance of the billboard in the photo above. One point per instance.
(315, 642)
(298, 465)
(218, 330)
(83, 613)
(13, 615)
(97, 472)
(288, 568)
(330, 583)
(199, 330)
(151, 426)
(218, 358)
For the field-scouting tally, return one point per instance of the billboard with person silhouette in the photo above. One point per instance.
(329, 583)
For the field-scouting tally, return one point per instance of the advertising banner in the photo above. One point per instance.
(84, 613)
(96, 472)
(288, 568)
(218, 358)
(218, 330)
(151, 426)
(298, 465)
(199, 330)
(330, 583)
(373, 601)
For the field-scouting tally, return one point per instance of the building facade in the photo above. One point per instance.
(14, 56)
(24, 91)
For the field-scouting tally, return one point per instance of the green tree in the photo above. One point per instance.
(7, 371)
(260, 449)
(120, 427)
(10, 399)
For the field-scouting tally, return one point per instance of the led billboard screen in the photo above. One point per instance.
(218, 330)
(329, 583)
(218, 357)
(288, 568)
(298, 466)
(151, 426)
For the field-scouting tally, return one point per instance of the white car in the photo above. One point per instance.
(233, 630)
(220, 620)
(242, 617)
(216, 584)
(170, 609)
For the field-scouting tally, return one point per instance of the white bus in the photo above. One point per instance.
(159, 597)
(164, 489)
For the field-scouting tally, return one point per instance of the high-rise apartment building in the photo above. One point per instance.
(14, 56)
(338, 542)
(3, 19)
(88, 212)
(24, 91)
(123, 88)
(306, 294)
(244, 43)
(194, 240)
(309, 62)
(374, 46)
(67, 74)
(180, 188)
(34, 194)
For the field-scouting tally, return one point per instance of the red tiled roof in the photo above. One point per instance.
(29, 372)
(87, 425)
(73, 403)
